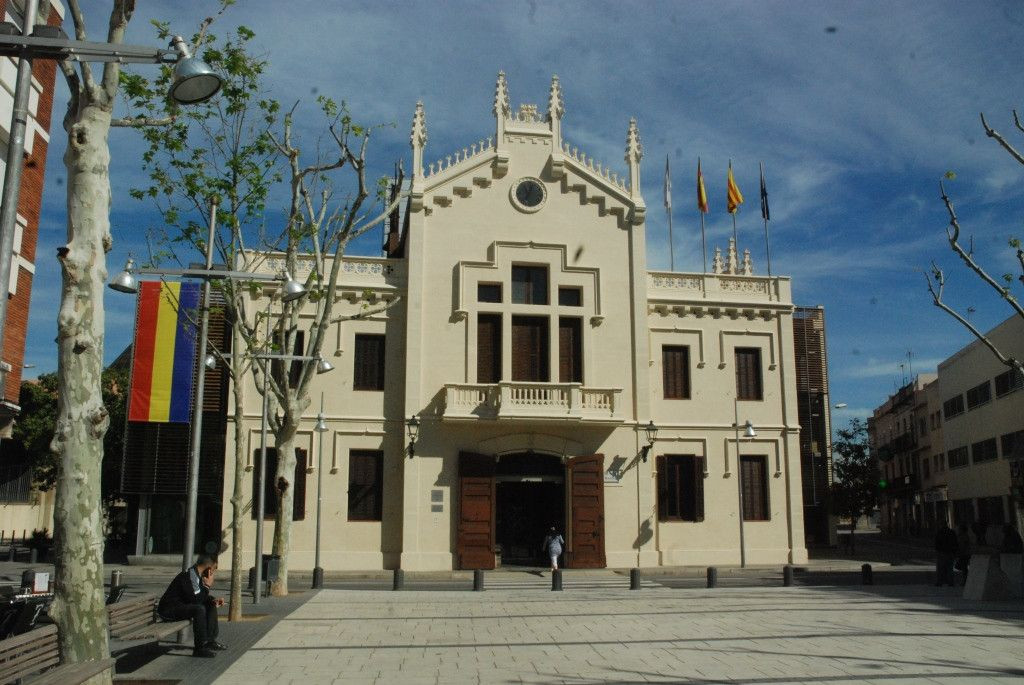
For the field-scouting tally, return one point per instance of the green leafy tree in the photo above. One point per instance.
(855, 489)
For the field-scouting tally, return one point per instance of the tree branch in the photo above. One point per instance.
(78, 19)
(142, 122)
(992, 133)
(120, 15)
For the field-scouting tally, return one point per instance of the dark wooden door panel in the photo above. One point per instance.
(586, 501)
(474, 547)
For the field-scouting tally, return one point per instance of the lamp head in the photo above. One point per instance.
(125, 281)
(323, 366)
(748, 431)
(321, 424)
(414, 427)
(652, 432)
(210, 362)
(194, 80)
(291, 290)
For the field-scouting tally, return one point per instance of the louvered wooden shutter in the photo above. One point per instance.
(748, 373)
(368, 372)
(755, 488)
(488, 348)
(529, 349)
(570, 349)
(365, 485)
(675, 364)
(698, 487)
(662, 465)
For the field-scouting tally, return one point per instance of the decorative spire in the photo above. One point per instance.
(716, 263)
(732, 264)
(501, 105)
(418, 139)
(634, 153)
(555, 105)
(748, 264)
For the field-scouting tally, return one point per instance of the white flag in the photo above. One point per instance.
(668, 186)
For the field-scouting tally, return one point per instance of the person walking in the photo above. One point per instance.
(553, 546)
(963, 552)
(188, 597)
(946, 548)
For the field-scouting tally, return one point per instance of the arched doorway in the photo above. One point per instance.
(529, 499)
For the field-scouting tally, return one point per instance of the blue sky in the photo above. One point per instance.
(856, 109)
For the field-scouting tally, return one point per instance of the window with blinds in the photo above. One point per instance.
(675, 371)
(570, 350)
(680, 487)
(365, 485)
(754, 472)
(530, 349)
(488, 348)
(748, 373)
(368, 373)
(270, 490)
(529, 284)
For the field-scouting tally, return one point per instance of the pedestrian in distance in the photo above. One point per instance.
(1012, 543)
(963, 553)
(188, 598)
(553, 546)
(946, 548)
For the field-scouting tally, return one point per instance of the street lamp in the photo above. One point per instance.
(321, 428)
(748, 432)
(413, 425)
(194, 82)
(652, 434)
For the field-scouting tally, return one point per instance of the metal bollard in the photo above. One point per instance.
(634, 579)
(712, 576)
(33, 555)
(398, 582)
(116, 580)
(787, 576)
(556, 580)
(866, 576)
(28, 579)
(478, 580)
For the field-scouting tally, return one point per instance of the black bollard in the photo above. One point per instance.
(398, 582)
(33, 555)
(634, 579)
(787, 575)
(318, 578)
(866, 577)
(478, 580)
(556, 580)
(28, 579)
(712, 576)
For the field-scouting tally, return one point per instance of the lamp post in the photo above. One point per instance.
(652, 434)
(413, 425)
(321, 428)
(194, 82)
(748, 432)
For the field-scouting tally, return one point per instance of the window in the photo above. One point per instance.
(1010, 441)
(990, 510)
(958, 457)
(942, 461)
(984, 450)
(1008, 381)
(15, 482)
(529, 284)
(748, 373)
(675, 371)
(923, 427)
(925, 468)
(570, 350)
(979, 395)
(954, 406)
(754, 471)
(680, 488)
(270, 491)
(369, 363)
(365, 485)
(530, 349)
(488, 292)
(488, 348)
(570, 297)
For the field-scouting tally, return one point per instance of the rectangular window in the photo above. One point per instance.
(923, 427)
(488, 292)
(954, 406)
(270, 492)
(365, 485)
(942, 462)
(680, 487)
(979, 395)
(748, 373)
(570, 297)
(368, 373)
(957, 457)
(754, 471)
(570, 350)
(925, 468)
(529, 284)
(488, 348)
(1010, 441)
(530, 349)
(675, 371)
(1008, 381)
(984, 451)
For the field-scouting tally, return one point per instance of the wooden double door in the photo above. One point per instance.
(475, 537)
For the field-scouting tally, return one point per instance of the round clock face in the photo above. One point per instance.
(529, 194)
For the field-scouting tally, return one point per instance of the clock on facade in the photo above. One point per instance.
(528, 194)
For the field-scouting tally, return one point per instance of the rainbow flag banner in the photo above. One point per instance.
(163, 362)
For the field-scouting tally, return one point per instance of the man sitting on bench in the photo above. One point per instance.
(188, 597)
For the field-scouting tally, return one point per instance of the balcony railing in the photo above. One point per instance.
(512, 400)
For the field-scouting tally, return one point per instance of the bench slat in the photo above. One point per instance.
(30, 636)
(31, 665)
(157, 630)
(73, 674)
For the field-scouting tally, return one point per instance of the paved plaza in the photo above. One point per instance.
(598, 631)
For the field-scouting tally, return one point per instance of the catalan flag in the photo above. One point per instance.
(733, 195)
(163, 362)
(702, 195)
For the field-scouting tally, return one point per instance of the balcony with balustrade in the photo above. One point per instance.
(532, 401)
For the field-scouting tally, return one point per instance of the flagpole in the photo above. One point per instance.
(671, 250)
(764, 216)
(668, 210)
(703, 242)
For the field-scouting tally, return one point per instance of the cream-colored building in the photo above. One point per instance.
(535, 347)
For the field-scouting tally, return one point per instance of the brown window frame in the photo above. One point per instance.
(570, 349)
(358, 510)
(542, 370)
(535, 285)
(680, 487)
(367, 372)
(674, 386)
(567, 293)
(756, 496)
(749, 374)
(485, 292)
(488, 324)
(270, 492)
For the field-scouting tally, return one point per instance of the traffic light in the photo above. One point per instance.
(883, 484)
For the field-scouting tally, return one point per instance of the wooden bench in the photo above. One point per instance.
(27, 654)
(136, 619)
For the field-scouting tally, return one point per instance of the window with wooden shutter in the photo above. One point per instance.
(570, 350)
(270, 490)
(530, 349)
(680, 487)
(529, 284)
(754, 471)
(368, 373)
(488, 348)
(365, 485)
(675, 371)
(748, 373)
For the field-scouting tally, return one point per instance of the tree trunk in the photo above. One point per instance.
(284, 442)
(82, 420)
(237, 493)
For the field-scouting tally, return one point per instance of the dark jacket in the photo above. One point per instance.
(181, 593)
(946, 542)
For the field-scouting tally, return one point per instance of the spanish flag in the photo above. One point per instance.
(163, 362)
(734, 196)
(702, 195)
